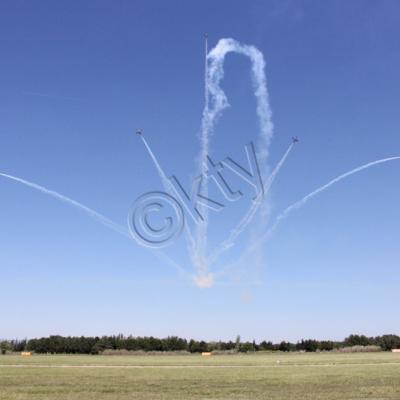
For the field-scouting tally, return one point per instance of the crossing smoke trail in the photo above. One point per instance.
(299, 204)
(228, 243)
(216, 102)
(93, 214)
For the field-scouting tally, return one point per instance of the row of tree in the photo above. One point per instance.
(96, 345)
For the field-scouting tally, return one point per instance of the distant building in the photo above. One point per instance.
(395, 350)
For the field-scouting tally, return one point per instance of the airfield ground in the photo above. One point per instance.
(275, 376)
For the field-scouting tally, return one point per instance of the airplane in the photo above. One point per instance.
(139, 131)
(295, 139)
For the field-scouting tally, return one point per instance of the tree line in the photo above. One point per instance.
(95, 345)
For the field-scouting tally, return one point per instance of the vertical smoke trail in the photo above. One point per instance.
(94, 214)
(198, 254)
(216, 102)
(252, 210)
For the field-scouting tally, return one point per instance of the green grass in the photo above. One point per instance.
(260, 376)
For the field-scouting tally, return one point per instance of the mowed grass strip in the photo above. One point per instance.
(288, 376)
(186, 360)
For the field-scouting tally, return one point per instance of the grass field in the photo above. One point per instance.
(260, 376)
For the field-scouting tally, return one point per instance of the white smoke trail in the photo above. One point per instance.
(304, 200)
(228, 243)
(93, 214)
(216, 102)
(163, 176)
(278, 167)
(218, 97)
(198, 252)
(168, 188)
(163, 257)
(297, 205)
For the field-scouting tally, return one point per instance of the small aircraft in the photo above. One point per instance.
(139, 131)
(295, 139)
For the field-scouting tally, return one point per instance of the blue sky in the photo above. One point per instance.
(79, 77)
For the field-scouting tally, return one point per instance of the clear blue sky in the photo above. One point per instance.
(78, 77)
